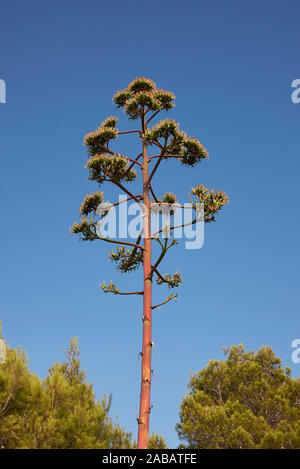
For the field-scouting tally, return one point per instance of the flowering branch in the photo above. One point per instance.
(111, 288)
(173, 295)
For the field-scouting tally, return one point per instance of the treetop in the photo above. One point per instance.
(141, 96)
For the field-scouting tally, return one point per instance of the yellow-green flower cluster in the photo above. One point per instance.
(109, 168)
(121, 98)
(213, 201)
(90, 203)
(136, 105)
(173, 281)
(193, 152)
(84, 230)
(188, 149)
(110, 288)
(141, 84)
(169, 198)
(98, 140)
(127, 259)
(110, 121)
(165, 98)
(163, 129)
(141, 96)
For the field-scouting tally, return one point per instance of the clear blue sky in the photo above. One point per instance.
(230, 65)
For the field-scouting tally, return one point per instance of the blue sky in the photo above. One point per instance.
(230, 65)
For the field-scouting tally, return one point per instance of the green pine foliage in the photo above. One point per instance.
(247, 401)
(156, 441)
(58, 412)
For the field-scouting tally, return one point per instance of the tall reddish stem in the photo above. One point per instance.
(143, 420)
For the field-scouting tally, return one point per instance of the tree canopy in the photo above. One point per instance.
(58, 412)
(247, 401)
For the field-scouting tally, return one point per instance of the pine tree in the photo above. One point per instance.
(60, 412)
(142, 101)
(247, 401)
(156, 441)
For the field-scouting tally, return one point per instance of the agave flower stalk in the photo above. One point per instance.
(142, 101)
